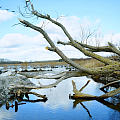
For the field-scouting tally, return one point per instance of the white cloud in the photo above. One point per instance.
(16, 40)
(5, 15)
(23, 47)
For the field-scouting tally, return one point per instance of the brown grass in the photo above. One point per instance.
(89, 63)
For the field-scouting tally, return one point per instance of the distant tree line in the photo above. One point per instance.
(7, 61)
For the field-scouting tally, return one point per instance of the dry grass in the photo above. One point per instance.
(89, 63)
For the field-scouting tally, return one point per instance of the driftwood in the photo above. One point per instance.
(79, 95)
(58, 78)
(40, 86)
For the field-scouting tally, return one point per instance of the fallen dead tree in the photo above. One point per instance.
(111, 66)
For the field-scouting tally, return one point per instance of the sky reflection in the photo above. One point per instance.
(9, 115)
(60, 107)
(59, 96)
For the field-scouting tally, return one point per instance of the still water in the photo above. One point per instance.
(60, 107)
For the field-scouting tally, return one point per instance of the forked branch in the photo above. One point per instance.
(79, 95)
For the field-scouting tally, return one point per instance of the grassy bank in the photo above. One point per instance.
(88, 62)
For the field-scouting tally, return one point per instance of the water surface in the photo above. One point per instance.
(60, 107)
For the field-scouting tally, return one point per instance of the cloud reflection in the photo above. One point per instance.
(59, 97)
(6, 114)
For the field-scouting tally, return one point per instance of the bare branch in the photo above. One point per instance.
(110, 94)
(80, 95)
(50, 48)
(58, 51)
(55, 22)
(29, 1)
(63, 43)
(110, 48)
(75, 44)
(84, 86)
(80, 46)
(110, 84)
(113, 48)
(41, 86)
(95, 49)
(112, 67)
(87, 52)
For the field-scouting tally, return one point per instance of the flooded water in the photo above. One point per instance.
(60, 107)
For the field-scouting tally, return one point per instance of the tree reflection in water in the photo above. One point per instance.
(25, 97)
(80, 97)
(80, 101)
(20, 98)
(104, 102)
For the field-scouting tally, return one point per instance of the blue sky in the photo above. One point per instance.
(105, 12)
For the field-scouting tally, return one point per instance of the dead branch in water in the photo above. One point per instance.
(79, 95)
(110, 84)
